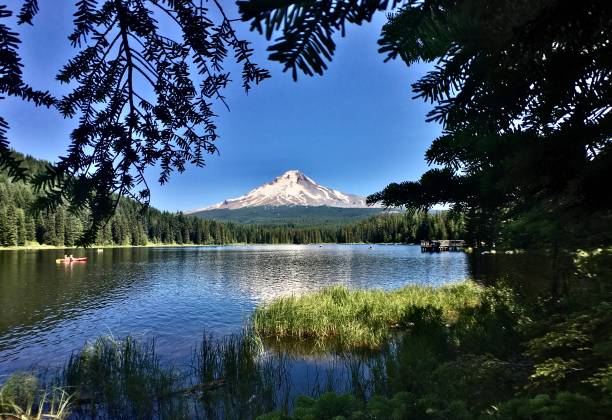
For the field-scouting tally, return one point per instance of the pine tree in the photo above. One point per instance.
(60, 228)
(4, 227)
(48, 229)
(30, 228)
(10, 234)
(73, 230)
(22, 228)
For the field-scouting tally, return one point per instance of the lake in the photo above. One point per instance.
(173, 295)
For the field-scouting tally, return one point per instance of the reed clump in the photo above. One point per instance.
(229, 377)
(358, 318)
(114, 378)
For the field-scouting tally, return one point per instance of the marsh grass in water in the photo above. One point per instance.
(232, 377)
(251, 380)
(358, 318)
(120, 378)
(228, 378)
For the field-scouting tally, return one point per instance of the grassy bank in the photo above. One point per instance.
(358, 318)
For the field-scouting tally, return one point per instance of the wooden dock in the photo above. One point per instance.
(434, 245)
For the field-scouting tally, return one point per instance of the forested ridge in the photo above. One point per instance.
(131, 226)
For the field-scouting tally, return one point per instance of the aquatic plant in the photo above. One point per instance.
(358, 318)
(246, 380)
(121, 378)
(230, 377)
(465, 352)
(21, 397)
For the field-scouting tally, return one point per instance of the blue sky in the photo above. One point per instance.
(355, 129)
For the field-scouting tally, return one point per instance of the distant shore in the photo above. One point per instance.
(37, 246)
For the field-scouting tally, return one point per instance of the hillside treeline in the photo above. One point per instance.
(130, 226)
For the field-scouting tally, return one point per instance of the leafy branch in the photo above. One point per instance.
(143, 97)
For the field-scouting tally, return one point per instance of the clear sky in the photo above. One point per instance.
(355, 129)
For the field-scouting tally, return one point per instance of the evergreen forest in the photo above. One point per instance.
(132, 226)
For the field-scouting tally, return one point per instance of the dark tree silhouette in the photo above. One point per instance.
(522, 89)
(307, 27)
(141, 95)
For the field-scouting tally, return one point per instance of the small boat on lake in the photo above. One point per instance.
(70, 260)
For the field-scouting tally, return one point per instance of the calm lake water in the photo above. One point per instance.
(173, 295)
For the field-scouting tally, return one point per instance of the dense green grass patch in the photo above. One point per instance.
(358, 318)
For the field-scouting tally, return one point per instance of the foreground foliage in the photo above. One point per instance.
(22, 398)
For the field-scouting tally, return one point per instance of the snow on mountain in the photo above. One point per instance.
(292, 188)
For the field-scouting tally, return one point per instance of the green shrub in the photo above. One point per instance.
(479, 380)
(563, 406)
(495, 325)
(572, 350)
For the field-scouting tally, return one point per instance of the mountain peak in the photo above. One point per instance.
(292, 188)
(293, 175)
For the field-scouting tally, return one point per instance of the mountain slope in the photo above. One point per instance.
(292, 188)
(291, 199)
(299, 216)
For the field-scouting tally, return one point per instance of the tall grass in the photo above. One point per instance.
(121, 379)
(452, 364)
(226, 378)
(357, 318)
(247, 381)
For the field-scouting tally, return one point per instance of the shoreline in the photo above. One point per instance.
(39, 247)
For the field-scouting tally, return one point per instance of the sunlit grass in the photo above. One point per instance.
(21, 397)
(357, 318)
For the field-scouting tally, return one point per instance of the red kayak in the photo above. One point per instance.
(70, 260)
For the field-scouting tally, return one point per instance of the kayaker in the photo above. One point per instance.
(71, 258)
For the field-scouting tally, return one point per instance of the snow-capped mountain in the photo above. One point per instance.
(292, 188)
